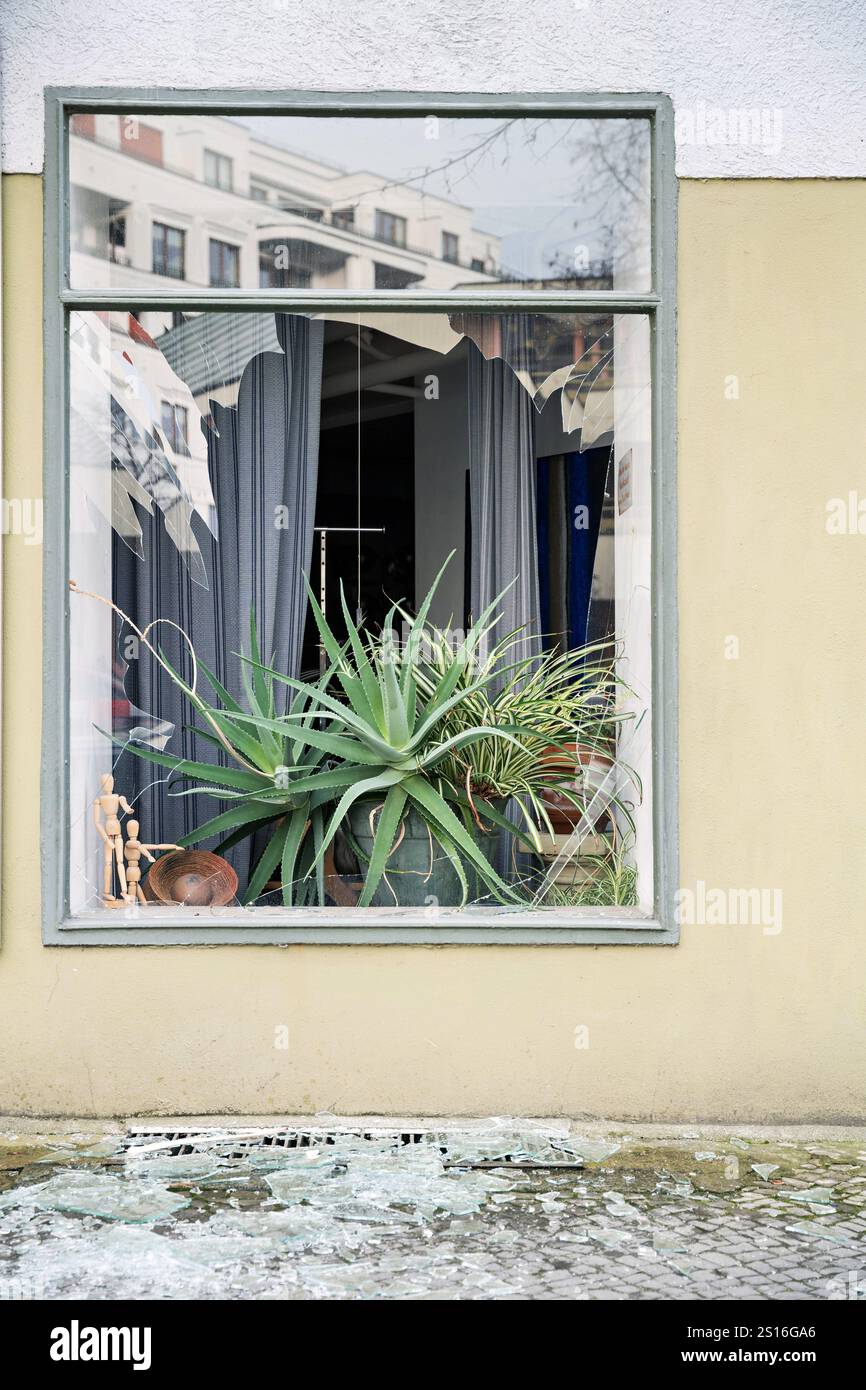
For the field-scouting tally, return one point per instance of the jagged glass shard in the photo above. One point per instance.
(666, 1244)
(817, 1228)
(520, 1144)
(610, 1237)
(20, 1196)
(178, 1167)
(813, 1196)
(273, 1157)
(104, 1148)
(99, 1194)
(764, 1170)
(595, 1150)
(119, 453)
(296, 1226)
(680, 1187)
(15, 1153)
(617, 1206)
(210, 352)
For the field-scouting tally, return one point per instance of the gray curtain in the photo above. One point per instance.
(502, 484)
(502, 487)
(263, 465)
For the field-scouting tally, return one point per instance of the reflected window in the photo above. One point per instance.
(224, 265)
(310, 214)
(217, 170)
(391, 228)
(117, 233)
(169, 251)
(84, 125)
(390, 277)
(343, 217)
(284, 267)
(174, 427)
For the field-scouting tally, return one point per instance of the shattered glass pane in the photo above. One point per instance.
(98, 1194)
(116, 418)
(219, 461)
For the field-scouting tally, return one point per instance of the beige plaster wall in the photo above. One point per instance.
(731, 1024)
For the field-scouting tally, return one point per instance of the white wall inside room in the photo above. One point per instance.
(797, 63)
(632, 488)
(90, 626)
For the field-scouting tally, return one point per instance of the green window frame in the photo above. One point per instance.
(269, 926)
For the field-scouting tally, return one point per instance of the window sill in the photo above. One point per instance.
(390, 926)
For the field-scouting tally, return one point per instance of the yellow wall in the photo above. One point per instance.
(732, 1023)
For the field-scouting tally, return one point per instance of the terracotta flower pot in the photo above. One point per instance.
(193, 877)
(590, 769)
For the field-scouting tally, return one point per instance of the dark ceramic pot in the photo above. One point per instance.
(419, 872)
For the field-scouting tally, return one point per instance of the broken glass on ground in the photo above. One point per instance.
(358, 1185)
(813, 1196)
(765, 1170)
(99, 1194)
(595, 1150)
(375, 1218)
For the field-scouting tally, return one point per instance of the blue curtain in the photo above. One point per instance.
(569, 507)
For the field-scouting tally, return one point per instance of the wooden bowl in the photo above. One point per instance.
(193, 877)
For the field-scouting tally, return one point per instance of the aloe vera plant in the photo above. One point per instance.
(386, 731)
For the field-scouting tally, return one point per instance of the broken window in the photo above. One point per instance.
(363, 594)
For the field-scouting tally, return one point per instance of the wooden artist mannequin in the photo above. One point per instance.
(105, 816)
(133, 850)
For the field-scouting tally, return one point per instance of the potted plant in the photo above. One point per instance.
(423, 753)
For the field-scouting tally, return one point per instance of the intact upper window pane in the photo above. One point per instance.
(357, 203)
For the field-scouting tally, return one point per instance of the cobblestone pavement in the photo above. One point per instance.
(683, 1217)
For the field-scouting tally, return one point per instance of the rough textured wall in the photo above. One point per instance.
(799, 62)
(735, 1023)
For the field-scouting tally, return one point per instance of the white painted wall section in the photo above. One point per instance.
(766, 88)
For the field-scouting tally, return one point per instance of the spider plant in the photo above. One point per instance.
(611, 881)
(557, 700)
